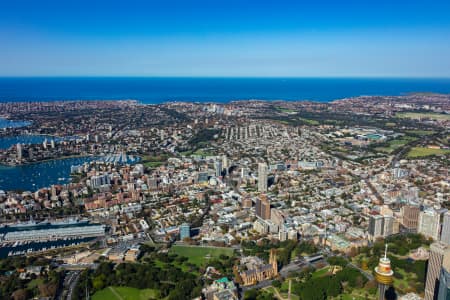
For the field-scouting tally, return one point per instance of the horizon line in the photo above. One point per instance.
(220, 77)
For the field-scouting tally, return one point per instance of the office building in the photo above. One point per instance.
(445, 234)
(398, 173)
(262, 177)
(444, 278)
(218, 168)
(410, 217)
(388, 226)
(376, 226)
(225, 164)
(263, 208)
(437, 252)
(185, 231)
(276, 216)
(429, 222)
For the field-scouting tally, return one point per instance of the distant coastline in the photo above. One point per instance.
(147, 90)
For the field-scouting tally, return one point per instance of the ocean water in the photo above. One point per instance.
(157, 90)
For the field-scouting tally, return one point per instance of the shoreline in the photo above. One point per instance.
(46, 160)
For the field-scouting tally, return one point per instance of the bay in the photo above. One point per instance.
(5, 123)
(8, 141)
(30, 177)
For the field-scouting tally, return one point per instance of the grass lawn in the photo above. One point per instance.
(423, 152)
(433, 116)
(199, 152)
(125, 293)
(406, 282)
(395, 144)
(320, 272)
(286, 110)
(202, 152)
(154, 161)
(270, 290)
(199, 255)
(284, 286)
(153, 164)
(273, 291)
(309, 122)
(421, 132)
(35, 282)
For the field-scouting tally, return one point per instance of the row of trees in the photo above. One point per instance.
(171, 281)
(13, 287)
(329, 286)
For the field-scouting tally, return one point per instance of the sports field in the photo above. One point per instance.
(423, 152)
(395, 144)
(125, 293)
(433, 116)
(199, 255)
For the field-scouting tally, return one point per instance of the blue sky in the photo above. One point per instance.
(225, 38)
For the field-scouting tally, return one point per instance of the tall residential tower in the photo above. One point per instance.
(262, 177)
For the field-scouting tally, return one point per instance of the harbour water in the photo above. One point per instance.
(8, 141)
(31, 177)
(4, 123)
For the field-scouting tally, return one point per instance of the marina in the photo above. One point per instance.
(31, 236)
(21, 248)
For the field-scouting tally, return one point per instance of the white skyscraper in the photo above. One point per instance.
(19, 151)
(429, 224)
(445, 234)
(225, 164)
(262, 177)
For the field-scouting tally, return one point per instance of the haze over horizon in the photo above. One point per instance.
(225, 39)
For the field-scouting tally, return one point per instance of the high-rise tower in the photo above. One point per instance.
(19, 151)
(445, 234)
(437, 252)
(263, 208)
(429, 224)
(262, 177)
(383, 275)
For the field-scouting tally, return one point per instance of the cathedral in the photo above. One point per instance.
(261, 271)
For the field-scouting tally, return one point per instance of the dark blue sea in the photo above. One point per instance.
(157, 90)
